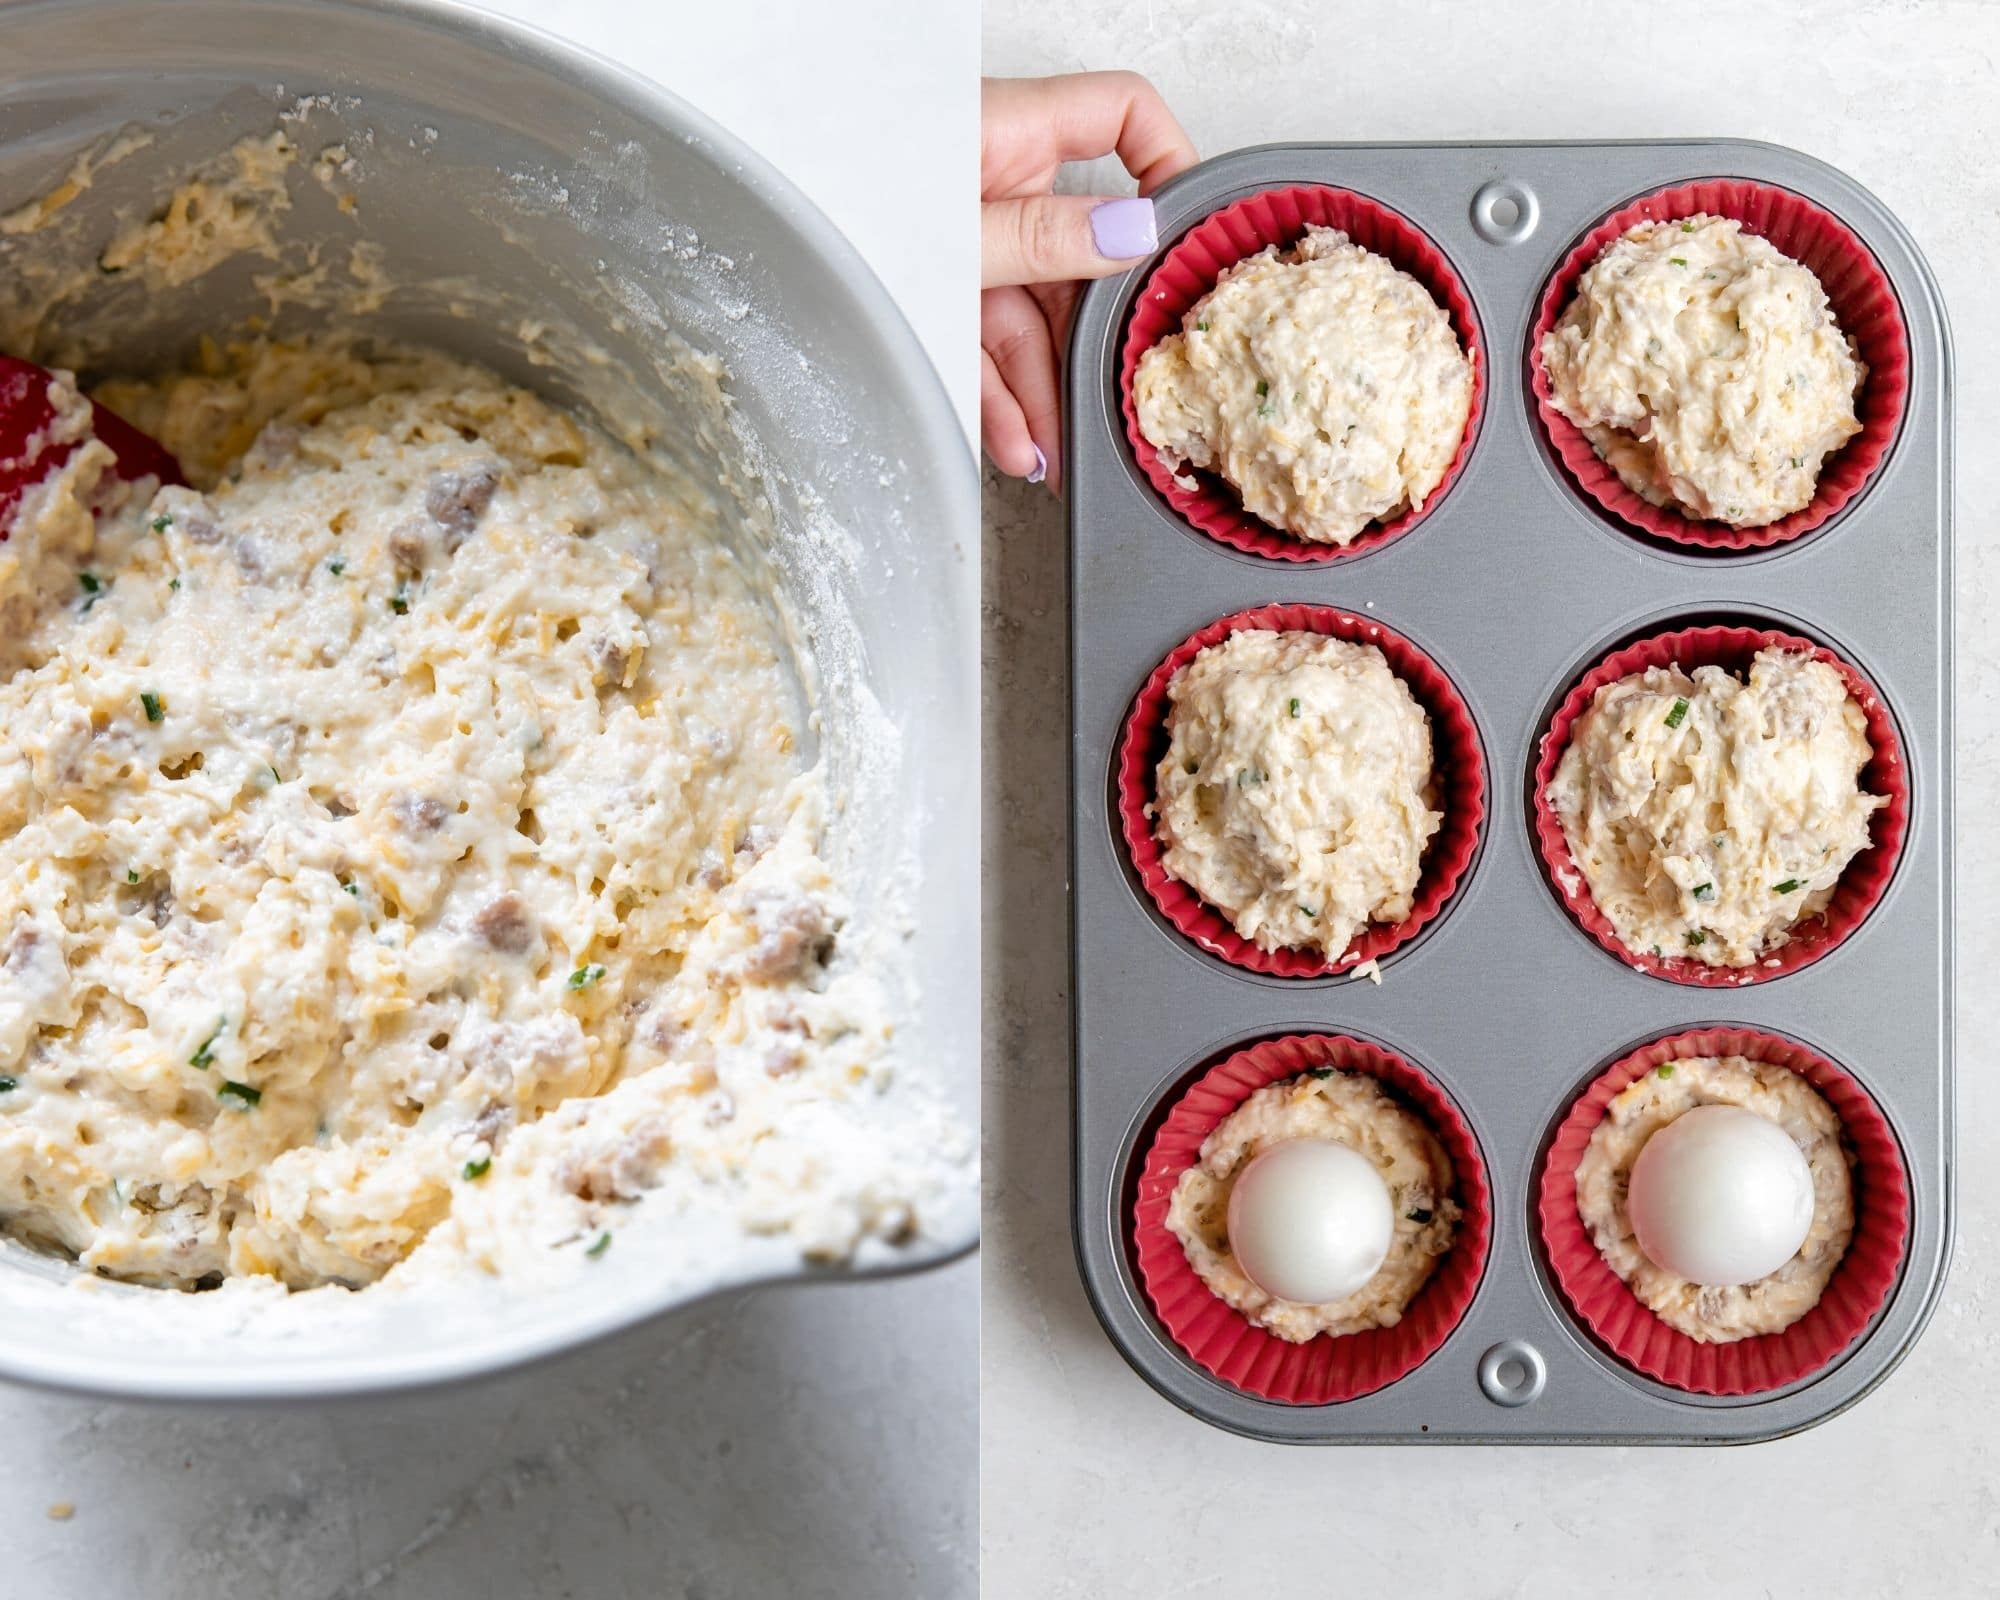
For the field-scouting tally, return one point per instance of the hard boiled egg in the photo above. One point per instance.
(1721, 1195)
(1309, 1220)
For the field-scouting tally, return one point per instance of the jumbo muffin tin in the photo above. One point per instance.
(1515, 583)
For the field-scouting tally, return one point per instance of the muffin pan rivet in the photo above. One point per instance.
(1512, 1372)
(1505, 212)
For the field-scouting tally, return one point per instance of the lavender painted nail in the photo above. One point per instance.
(1124, 229)
(1041, 465)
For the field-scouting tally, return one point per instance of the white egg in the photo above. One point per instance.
(1721, 1195)
(1309, 1221)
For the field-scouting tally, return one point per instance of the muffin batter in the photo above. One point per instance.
(1709, 815)
(1296, 794)
(1706, 367)
(407, 859)
(1326, 386)
(1719, 1314)
(1351, 1109)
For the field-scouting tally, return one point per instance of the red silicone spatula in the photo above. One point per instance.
(27, 455)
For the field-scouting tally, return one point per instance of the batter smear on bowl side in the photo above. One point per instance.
(1324, 384)
(407, 855)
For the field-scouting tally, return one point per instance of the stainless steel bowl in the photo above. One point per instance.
(586, 233)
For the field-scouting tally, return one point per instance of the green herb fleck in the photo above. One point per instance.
(1678, 715)
(477, 1169)
(162, 522)
(1679, 261)
(1201, 327)
(241, 1095)
(399, 602)
(1263, 388)
(206, 1053)
(585, 976)
(351, 887)
(9, 1085)
(1317, 1072)
(599, 1245)
(1664, 1070)
(1658, 952)
(1294, 706)
(1798, 461)
(131, 874)
(1704, 891)
(151, 701)
(89, 582)
(173, 583)
(336, 566)
(1698, 936)
(1788, 886)
(1311, 911)
(1419, 1216)
(1688, 226)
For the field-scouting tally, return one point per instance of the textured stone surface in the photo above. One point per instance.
(1094, 1485)
(814, 1443)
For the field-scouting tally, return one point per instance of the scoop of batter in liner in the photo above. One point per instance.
(1325, 385)
(1707, 368)
(1296, 795)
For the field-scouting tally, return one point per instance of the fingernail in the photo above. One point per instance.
(1124, 229)
(1041, 465)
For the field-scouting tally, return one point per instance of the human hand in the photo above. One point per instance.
(1036, 246)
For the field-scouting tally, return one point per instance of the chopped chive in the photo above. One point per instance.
(351, 887)
(162, 522)
(89, 582)
(1699, 936)
(173, 583)
(1679, 261)
(399, 602)
(1317, 1072)
(1678, 715)
(1687, 227)
(151, 702)
(9, 1085)
(1704, 891)
(1798, 461)
(1263, 388)
(242, 1094)
(1788, 886)
(477, 1169)
(1310, 911)
(206, 1053)
(585, 976)
(1201, 327)
(1419, 1216)
(131, 874)
(1294, 706)
(599, 1245)
(336, 566)
(1657, 952)
(1664, 1070)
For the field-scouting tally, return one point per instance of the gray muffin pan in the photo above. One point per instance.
(1515, 585)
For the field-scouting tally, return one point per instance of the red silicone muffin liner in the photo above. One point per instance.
(1456, 763)
(1863, 303)
(1190, 269)
(1861, 886)
(1228, 1344)
(1860, 1284)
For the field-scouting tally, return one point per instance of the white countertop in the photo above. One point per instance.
(1094, 1486)
(814, 1443)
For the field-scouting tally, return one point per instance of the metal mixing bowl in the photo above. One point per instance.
(579, 229)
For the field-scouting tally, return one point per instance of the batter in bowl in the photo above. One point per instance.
(1719, 1313)
(407, 855)
(1706, 367)
(1348, 1108)
(1325, 385)
(1709, 814)
(1296, 794)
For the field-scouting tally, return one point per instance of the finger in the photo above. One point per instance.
(1002, 428)
(1014, 333)
(1089, 114)
(1058, 302)
(1052, 237)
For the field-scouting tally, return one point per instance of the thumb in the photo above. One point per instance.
(1053, 238)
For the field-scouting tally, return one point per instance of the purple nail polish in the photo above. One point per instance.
(1041, 465)
(1124, 229)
